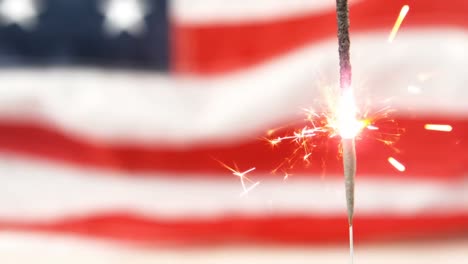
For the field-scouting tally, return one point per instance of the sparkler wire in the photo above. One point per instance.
(349, 166)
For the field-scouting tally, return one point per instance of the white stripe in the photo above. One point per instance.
(40, 191)
(138, 107)
(239, 11)
(20, 248)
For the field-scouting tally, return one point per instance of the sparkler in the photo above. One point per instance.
(343, 119)
(347, 113)
(340, 120)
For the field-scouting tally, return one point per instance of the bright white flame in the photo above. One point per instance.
(395, 163)
(348, 125)
(438, 127)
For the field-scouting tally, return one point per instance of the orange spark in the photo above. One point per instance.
(339, 117)
(401, 17)
(395, 163)
(275, 141)
(235, 171)
(438, 127)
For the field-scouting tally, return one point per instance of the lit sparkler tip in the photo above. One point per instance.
(438, 127)
(395, 163)
(403, 12)
(348, 125)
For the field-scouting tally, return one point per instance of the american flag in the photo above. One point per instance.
(115, 113)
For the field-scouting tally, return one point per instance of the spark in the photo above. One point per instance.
(395, 163)
(242, 177)
(339, 118)
(270, 132)
(396, 27)
(246, 191)
(276, 141)
(317, 127)
(438, 127)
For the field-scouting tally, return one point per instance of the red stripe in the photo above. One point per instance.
(208, 49)
(271, 229)
(424, 153)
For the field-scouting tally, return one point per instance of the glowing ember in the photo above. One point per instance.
(438, 127)
(401, 17)
(395, 163)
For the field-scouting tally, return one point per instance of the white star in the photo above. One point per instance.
(124, 16)
(20, 12)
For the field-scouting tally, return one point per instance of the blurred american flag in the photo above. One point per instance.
(113, 112)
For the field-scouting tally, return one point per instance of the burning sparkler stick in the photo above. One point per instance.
(342, 15)
(346, 116)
